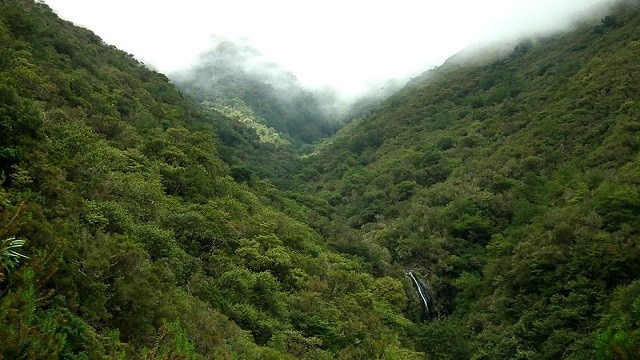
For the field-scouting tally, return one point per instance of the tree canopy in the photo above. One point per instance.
(140, 222)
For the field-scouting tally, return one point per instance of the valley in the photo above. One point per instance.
(486, 210)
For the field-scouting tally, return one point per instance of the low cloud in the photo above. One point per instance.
(351, 47)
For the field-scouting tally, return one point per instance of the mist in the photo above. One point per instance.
(227, 59)
(344, 48)
(235, 79)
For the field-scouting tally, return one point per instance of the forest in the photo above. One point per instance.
(490, 209)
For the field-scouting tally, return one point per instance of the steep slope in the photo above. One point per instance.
(122, 234)
(512, 188)
(269, 118)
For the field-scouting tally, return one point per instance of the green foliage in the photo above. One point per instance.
(619, 334)
(511, 184)
(20, 123)
(618, 206)
(172, 343)
(156, 231)
(10, 255)
(445, 339)
(143, 241)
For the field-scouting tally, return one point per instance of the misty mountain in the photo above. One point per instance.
(235, 76)
(510, 183)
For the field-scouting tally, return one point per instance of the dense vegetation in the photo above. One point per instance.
(136, 223)
(268, 118)
(139, 242)
(513, 189)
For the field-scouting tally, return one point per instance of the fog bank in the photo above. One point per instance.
(351, 47)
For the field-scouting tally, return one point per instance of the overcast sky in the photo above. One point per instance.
(348, 45)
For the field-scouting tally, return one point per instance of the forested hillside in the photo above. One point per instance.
(136, 222)
(268, 118)
(124, 235)
(512, 189)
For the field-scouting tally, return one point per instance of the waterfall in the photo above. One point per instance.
(421, 292)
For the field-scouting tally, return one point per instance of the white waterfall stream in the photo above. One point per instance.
(421, 291)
